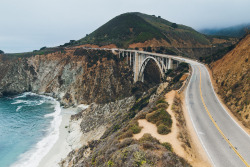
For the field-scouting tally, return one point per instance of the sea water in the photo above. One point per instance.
(29, 127)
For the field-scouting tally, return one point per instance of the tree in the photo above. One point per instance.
(1, 52)
(43, 48)
(149, 49)
(174, 25)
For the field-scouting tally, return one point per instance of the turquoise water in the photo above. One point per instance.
(29, 127)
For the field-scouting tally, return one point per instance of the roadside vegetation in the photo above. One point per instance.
(161, 117)
(176, 76)
(117, 147)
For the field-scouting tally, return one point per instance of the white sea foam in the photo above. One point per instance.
(32, 157)
(18, 108)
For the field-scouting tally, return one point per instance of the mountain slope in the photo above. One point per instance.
(131, 28)
(137, 30)
(232, 74)
(234, 31)
(123, 29)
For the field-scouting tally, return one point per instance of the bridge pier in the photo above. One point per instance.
(136, 67)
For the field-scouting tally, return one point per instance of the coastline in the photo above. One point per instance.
(61, 148)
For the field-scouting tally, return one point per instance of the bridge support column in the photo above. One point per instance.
(136, 67)
(170, 63)
(130, 60)
(177, 64)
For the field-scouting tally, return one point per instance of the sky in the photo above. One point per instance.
(27, 25)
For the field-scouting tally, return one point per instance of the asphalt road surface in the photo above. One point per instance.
(226, 144)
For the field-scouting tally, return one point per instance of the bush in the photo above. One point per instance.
(147, 137)
(163, 129)
(126, 134)
(1, 52)
(174, 25)
(168, 146)
(161, 100)
(160, 116)
(135, 129)
(126, 142)
(162, 105)
(141, 116)
(110, 163)
(148, 145)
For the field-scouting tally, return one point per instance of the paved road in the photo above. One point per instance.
(226, 144)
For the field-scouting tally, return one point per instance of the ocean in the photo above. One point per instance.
(29, 127)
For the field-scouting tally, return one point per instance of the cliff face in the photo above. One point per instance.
(106, 141)
(232, 74)
(73, 76)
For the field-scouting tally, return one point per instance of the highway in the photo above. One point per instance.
(225, 143)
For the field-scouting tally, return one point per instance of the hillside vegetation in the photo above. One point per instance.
(140, 31)
(232, 74)
(131, 28)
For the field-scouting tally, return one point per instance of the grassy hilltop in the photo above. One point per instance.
(132, 28)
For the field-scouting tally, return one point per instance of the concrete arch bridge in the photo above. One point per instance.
(138, 60)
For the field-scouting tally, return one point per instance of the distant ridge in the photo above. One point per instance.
(233, 31)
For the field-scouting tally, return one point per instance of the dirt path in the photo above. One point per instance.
(196, 156)
(172, 137)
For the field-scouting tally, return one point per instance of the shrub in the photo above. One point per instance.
(160, 116)
(126, 134)
(174, 25)
(162, 105)
(148, 145)
(110, 163)
(135, 129)
(161, 100)
(168, 146)
(163, 129)
(147, 137)
(141, 116)
(126, 142)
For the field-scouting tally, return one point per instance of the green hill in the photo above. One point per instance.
(132, 28)
(146, 32)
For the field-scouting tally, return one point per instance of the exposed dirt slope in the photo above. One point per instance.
(232, 74)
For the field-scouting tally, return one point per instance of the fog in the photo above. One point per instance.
(27, 25)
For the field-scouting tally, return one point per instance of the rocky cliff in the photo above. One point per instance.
(102, 134)
(72, 76)
(232, 73)
(107, 136)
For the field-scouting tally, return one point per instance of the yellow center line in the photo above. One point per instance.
(218, 128)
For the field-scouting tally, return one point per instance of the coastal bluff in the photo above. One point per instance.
(73, 76)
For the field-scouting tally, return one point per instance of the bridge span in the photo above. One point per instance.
(139, 59)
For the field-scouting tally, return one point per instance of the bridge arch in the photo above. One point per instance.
(144, 64)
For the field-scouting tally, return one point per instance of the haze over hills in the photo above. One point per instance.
(233, 31)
